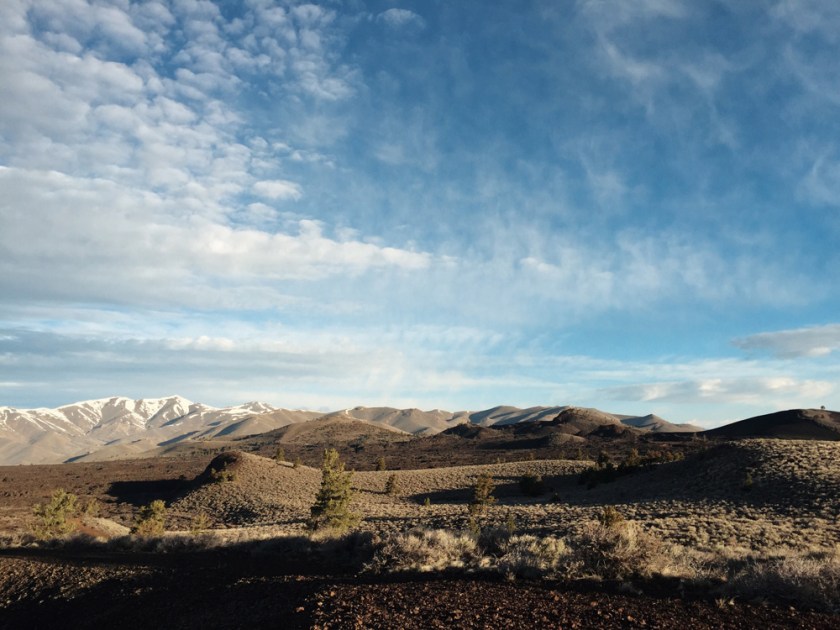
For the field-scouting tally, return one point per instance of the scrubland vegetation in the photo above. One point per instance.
(694, 521)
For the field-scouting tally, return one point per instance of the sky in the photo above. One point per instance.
(633, 205)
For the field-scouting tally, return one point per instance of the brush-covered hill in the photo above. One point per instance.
(655, 424)
(253, 490)
(793, 424)
(787, 473)
(585, 422)
(309, 439)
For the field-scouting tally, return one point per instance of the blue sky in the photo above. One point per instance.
(627, 205)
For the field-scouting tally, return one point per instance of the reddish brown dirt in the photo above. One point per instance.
(119, 486)
(479, 604)
(224, 590)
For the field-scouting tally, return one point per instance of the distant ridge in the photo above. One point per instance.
(793, 424)
(120, 427)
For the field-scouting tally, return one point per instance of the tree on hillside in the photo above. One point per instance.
(391, 485)
(482, 494)
(331, 509)
(150, 520)
(56, 517)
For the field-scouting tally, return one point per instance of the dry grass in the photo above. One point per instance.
(811, 580)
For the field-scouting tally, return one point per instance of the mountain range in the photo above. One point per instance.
(119, 427)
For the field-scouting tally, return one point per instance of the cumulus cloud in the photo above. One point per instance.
(813, 341)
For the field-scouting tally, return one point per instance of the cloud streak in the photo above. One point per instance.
(813, 341)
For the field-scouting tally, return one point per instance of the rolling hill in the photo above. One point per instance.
(793, 424)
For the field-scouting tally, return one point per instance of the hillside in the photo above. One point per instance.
(793, 424)
(120, 427)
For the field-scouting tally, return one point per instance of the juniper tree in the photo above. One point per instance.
(331, 509)
(482, 494)
(150, 519)
(391, 486)
(56, 517)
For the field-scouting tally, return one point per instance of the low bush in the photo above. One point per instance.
(425, 550)
(150, 520)
(533, 557)
(619, 550)
(224, 475)
(811, 580)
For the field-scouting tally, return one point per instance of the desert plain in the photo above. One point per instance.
(693, 530)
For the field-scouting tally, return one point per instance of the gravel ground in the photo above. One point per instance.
(44, 589)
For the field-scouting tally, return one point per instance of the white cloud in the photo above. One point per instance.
(278, 189)
(152, 253)
(397, 18)
(813, 341)
(753, 391)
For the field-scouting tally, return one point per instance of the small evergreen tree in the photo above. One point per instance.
(56, 517)
(199, 523)
(532, 485)
(391, 486)
(280, 455)
(92, 507)
(296, 463)
(482, 494)
(380, 464)
(331, 509)
(150, 520)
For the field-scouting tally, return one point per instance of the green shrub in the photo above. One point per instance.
(482, 494)
(92, 507)
(56, 517)
(199, 523)
(222, 476)
(380, 464)
(150, 520)
(280, 455)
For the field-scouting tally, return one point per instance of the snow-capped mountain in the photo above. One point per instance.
(121, 425)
